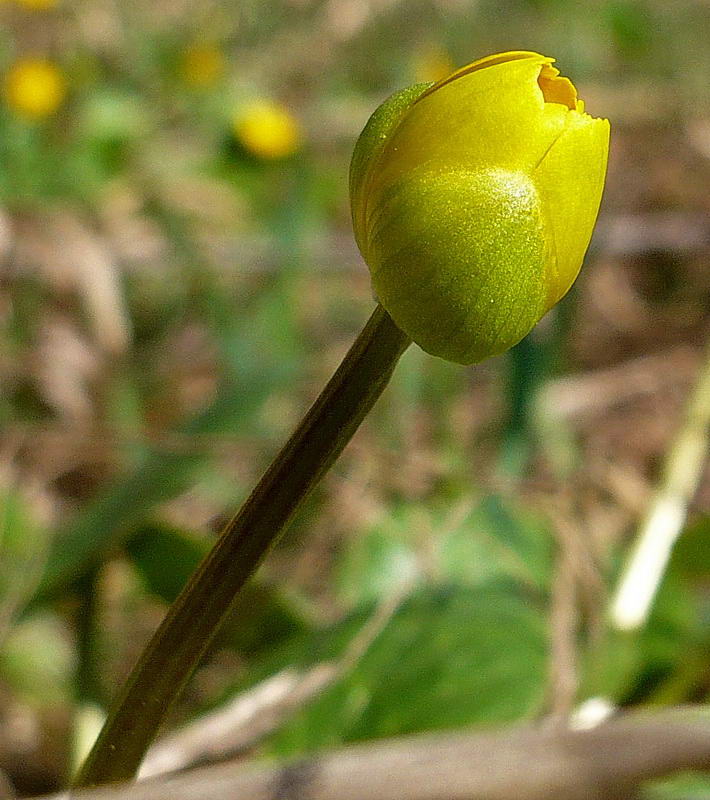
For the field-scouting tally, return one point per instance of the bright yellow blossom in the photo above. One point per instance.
(38, 5)
(474, 200)
(431, 63)
(268, 130)
(34, 88)
(202, 65)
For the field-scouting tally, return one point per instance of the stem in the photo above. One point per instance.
(195, 617)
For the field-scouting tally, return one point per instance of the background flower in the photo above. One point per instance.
(267, 130)
(35, 87)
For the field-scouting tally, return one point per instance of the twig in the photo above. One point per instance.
(605, 763)
(577, 587)
(664, 521)
(564, 624)
(594, 392)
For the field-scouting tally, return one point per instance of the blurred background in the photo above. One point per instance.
(178, 279)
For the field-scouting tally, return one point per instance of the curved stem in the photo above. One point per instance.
(194, 618)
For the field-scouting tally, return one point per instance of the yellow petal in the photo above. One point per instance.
(570, 180)
(495, 116)
(488, 61)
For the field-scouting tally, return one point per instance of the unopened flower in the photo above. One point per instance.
(267, 130)
(35, 88)
(474, 200)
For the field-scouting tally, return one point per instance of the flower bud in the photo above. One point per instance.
(474, 200)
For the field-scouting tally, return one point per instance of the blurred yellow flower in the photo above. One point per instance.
(35, 87)
(38, 5)
(432, 63)
(267, 130)
(202, 65)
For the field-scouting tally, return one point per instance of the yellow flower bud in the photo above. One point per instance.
(267, 130)
(34, 88)
(474, 200)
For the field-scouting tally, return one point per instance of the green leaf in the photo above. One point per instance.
(691, 554)
(166, 557)
(379, 559)
(37, 659)
(687, 786)
(664, 662)
(23, 545)
(451, 656)
(499, 538)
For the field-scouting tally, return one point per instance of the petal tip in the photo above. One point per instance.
(557, 89)
(490, 61)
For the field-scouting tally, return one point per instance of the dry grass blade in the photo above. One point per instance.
(667, 513)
